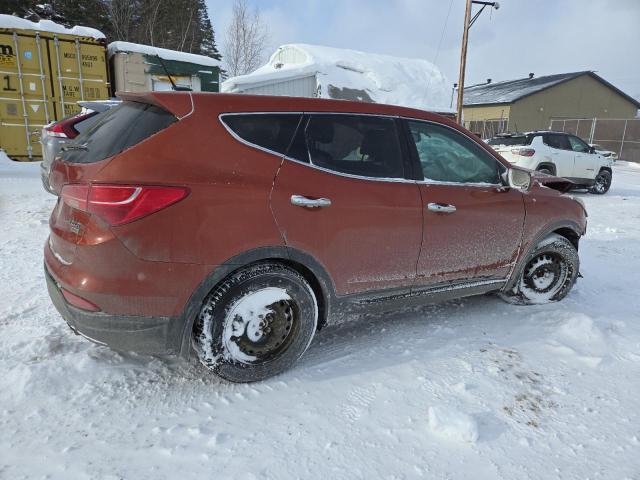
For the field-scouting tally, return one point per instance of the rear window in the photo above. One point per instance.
(272, 131)
(116, 130)
(515, 140)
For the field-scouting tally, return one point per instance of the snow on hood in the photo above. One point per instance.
(343, 73)
(12, 22)
(165, 54)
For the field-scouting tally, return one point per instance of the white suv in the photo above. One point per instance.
(557, 153)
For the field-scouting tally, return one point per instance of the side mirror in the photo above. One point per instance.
(592, 149)
(520, 179)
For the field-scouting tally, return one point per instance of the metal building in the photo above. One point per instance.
(532, 103)
(139, 68)
(303, 70)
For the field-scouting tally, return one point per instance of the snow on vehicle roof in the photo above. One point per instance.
(354, 75)
(165, 54)
(12, 22)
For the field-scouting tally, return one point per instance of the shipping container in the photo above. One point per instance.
(143, 68)
(43, 74)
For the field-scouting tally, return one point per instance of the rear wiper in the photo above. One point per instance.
(75, 146)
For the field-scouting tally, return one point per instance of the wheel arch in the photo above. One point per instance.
(606, 169)
(567, 229)
(303, 263)
(550, 165)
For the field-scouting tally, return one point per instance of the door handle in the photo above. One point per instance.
(302, 201)
(441, 208)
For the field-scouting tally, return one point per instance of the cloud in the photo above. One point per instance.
(542, 36)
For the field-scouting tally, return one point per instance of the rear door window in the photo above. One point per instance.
(363, 145)
(116, 130)
(272, 131)
(560, 142)
(448, 156)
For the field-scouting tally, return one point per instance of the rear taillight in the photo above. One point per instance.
(523, 152)
(119, 204)
(65, 128)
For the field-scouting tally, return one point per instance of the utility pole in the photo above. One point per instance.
(468, 21)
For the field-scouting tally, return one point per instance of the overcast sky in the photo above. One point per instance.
(540, 36)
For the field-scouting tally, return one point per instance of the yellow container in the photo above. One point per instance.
(42, 77)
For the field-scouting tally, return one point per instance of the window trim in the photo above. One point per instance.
(416, 159)
(255, 145)
(404, 179)
(409, 154)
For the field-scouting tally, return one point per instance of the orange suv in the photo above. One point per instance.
(240, 225)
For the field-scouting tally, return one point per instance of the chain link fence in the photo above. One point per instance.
(618, 135)
(488, 128)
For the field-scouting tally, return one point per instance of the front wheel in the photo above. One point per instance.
(602, 184)
(549, 274)
(257, 323)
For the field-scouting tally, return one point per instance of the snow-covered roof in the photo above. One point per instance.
(165, 54)
(511, 90)
(12, 22)
(342, 73)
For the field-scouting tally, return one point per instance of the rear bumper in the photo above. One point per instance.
(158, 335)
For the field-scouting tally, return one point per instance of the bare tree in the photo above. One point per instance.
(246, 40)
(120, 13)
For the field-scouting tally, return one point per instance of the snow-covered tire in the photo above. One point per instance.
(257, 323)
(548, 275)
(603, 183)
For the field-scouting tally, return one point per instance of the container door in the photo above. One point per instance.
(25, 93)
(79, 73)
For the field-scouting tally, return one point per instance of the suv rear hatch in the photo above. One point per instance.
(513, 147)
(85, 212)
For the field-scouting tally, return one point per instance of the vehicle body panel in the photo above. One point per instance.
(383, 218)
(368, 245)
(454, 244)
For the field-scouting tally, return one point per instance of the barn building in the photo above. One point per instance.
(532, 103)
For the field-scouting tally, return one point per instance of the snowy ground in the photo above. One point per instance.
(468, 389)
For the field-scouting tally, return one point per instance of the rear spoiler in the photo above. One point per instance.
(178, 103)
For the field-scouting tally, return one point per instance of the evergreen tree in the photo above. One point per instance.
(182, 25)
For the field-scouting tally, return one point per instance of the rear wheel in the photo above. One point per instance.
(549, 274)
(256, 324)
(602, 184)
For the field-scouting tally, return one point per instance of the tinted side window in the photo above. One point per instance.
(447, 156)
(272, 131)
(118, 129)
(557, 141)
(361, 145)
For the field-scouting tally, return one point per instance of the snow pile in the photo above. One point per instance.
(356, 405)
(386, 79)
(452, 424)
(165, 54)
(580, 337)
(11, 22)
